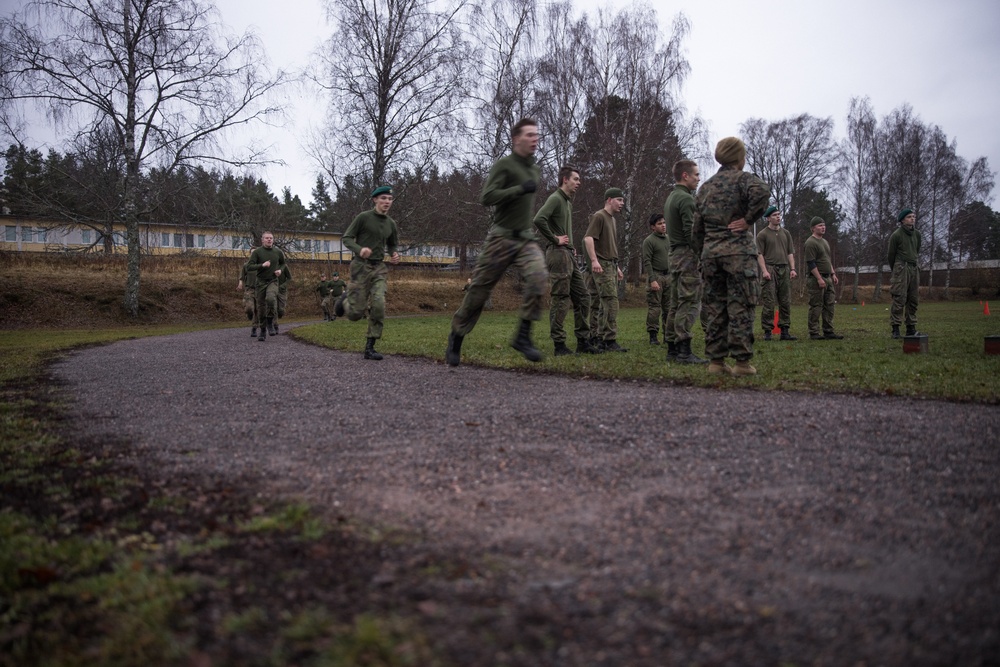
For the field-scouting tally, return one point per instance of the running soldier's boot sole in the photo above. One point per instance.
(338, 306)
(743, 368)
(370, 352)
(560, 349)
(522, 342)
(719, 367)
(453, 353)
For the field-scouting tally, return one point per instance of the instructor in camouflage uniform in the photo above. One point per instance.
(656, 265)
(685, 266)
(370, 237)
(904, 251)
(777, 269)
(510, 189)
(601, 241)
(723, 238)
(555, 223)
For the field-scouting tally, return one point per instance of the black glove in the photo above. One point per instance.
(528, 186)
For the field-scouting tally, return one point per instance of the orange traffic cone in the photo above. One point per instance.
(862, 304)
(776, 329)
(986, 308)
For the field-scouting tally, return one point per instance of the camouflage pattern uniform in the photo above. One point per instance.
(603, 230)
(904, 250)
(729, 260)
(510, 242)
(283, 280)
(775, 245)
(323, 289)
(249, 280)
(685, 269)
(656, 266)
(267, 282)
(565, 278)
(821, 299)
(368, 276)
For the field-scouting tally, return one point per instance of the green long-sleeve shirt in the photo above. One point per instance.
(655, 255)
(261, 255)
(679, 214)
(503, 190)
(904, 245)
(555, 218)
(374, 231)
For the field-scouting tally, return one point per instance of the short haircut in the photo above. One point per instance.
(566, 172)
(521, 124)
(682, 167)
(655, 218)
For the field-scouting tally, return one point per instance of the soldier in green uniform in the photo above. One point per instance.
(269, 263)
(510, 189)
(656, 265)
(821, 282)
(284, 280)
(370, 237)
(777, 269)
(555, 223)
(685, 265)
(904, 252)
(723, 238)
(336, 287)
(248, 285)
(602, 248)
(324, 297)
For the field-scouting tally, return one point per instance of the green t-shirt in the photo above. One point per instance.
(603, 230)
(775, 245)
(818, 250)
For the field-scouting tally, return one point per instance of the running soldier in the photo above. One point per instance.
(324, 297)
(602, 248)
(777, 269)
(904, 252)
(248, 285)
(268, 262)
(336, 287)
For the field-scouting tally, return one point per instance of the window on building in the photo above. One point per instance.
(42, 235)
(165, 239)
(85, 236)
(27, 234)
(201, 240)
(326, 246)
(10, 234)
(178, 241)
(189, 240)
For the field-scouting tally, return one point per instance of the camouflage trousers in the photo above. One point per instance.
(282, 300)
(367, 291)
(732, 290)
(821, 302)
(327, 305)
(658, 303)
(498, 254)
(905, 282)
(267, 300)
(777, 289)
(607, 290)
(685, 294)
(250, 306)
(595, 301)
(567, 289)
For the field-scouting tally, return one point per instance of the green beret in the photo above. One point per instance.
(770, 210)
(902, 214)
(381, 190)
(613, 193)
(730, 150)
(336, 274)
(816, 221)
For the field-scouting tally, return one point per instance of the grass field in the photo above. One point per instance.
(867, 360)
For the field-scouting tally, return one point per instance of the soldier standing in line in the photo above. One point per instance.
(821, 282)
(685, 265)
(723, 238)
(336, 287)
(370, 237)
(555, 223)
(777, 269)
(510, 188)
(602, 248)
(324, 297)
(269, 263)
(904, 252)
(248, 285)
(656, 266)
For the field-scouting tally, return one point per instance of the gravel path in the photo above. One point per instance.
(649, 524)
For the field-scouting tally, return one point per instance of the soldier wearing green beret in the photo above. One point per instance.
(601, 241)
(723, 238)
(777, 269)
(904, 252)
(821, 282)
(336, 286)
(323, 290)
(510, 189)
(370, 237)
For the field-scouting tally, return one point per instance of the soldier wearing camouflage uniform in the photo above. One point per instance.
(656, 265)
(821, 282)
(370, 237)
(283, 281)
(777, 269)
(248, 285)
(904, 251)
(724, 240)
(685, 265)
(324, 297)
(336, 287)
(268, 262)
(510, 189)
(555, 223)
(602, 248)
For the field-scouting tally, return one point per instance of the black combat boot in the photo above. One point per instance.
(522, 342)
(274, 326)
(585, 346)
(370, 352)
(895, 331)
(253, 332)
(453, 355)
(561, 350)
(685, 355)
(613, 346)
(767, 334)
(787, 336)
(263, 331)
(671, 351)
(652, 338)
(912, 330)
